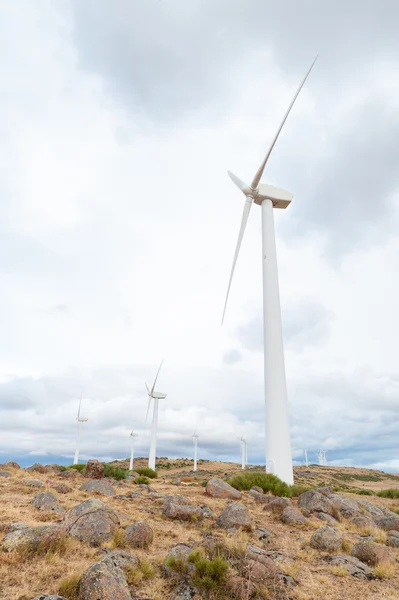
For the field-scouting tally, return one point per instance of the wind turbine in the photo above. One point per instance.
(156, 396)
(132, 435)
(306, 457)
(244, 455)
(80, 421)
(278, 444)
(195, 440)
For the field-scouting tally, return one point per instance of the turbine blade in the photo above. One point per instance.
(148, 389)
(259, 172)
(80, 402)
(156, 377)
(148, 407)
(240, 184)
(245, 215)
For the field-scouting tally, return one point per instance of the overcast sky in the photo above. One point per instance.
(118, 122)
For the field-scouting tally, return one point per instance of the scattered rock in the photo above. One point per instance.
(206, 511)
(239, 588)
(104, 581)
(260, 497)
(316, 502)
(347, 507)
(93, 469)
(45, 597)
(129, 496)
(52, 468)
(264, 535)
(217, 488)
(5, 473)
(362, 522)
(326, 518)
(12, 465)
(61, 488)
(139, 535)
(376, 512)
(37, 467)
(47, 501)
(326, 538)
(370, 552)
(277, 505)
(182, 512)
(235, 515)
(393, 539)
(120, 558)
(179, 552)
(292, 516)
(31, 537)
(16, 527)
(91, 521)
(70, 474)
(176, 481)
(96, 486)
(256, 488)
(185, 592)
(33, 483)
(388, 523)
(355, 567)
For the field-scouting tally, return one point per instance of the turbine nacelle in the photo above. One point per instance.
(158, 395)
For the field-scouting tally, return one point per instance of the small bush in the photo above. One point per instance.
(69, 587)
(79, 467)
(391, 493)
(385, 570)
(62, 468)
(297, 490)
(141, 479)
(204, 483)
(119, 538)
(362, 492)
(147, 472)
(143, 572)
(346, 546)
(117, 473)
(210, 575)
(177, 564)
(339, 571)
(267, 481)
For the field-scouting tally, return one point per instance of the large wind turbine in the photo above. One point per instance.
(278, 444)
(80, 421)
(244, 454)
(132, 435)
(195, 440)
(156, 396)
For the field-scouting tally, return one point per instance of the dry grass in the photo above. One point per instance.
(385, 570)
(339, 571)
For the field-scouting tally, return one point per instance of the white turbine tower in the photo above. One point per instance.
(278, 444)
(80, 421)
(195, 440)
(156, 396)
(132, 435)
(244, 455)
(306, 457)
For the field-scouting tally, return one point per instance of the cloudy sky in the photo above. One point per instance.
(118, 121)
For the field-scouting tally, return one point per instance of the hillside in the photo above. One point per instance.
(269, 545)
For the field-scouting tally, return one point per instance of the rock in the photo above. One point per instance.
(132, 475)
(45, 597)
(217, 488)
(52, 468)
(264, 535)
(91, 521)
(315, 502)
(179, 552)
(31, 537)
(96, 486)
(388, 523)
(393, 539)
(185, 592)
(16, 527)
(5, 473)
(362, 522)
(235, 515)
(120, 558)
(70, 474)
(326, 518)
(325, 490)
(239, 587)
(347, 507)
(355, 567)
(326, 538)
(33, 483)
(61, 488)
(370, 552)
(256, 488)
(176, 481)
(206, 511)
(129, 496)
(93, 469)
(37, 467)
(104, 581)
(260, 497)
(292, 516)
(277, 505)
(182, 513)
(12, 465)
(139, 535)
(376, 512)
(47, 501)
(259, 572)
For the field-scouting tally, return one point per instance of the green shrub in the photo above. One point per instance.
(209, 576)
(62, 468)
(79, 467)
(141, 479)
(267, 481)
(297, 490)
(147, 472)
(117, 473)
(391, 493)
(204, 483)
(362, 492)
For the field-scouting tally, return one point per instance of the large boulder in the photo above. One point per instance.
(12, 465)
(292, 516)
(179, 552)
(393, 539)
(313, 501)
(106, 579)
(182, 512)
(70, 474)
(47, 501)
(92, 521)
(347, 507)
(259, 496)
(52, 468)
(97, 486)
(33, 483)
(37, 467)
(326, 538)
(370, 553)
(362, 522)
(60, 487)
(354, 566)
(235, 515)
(5, 473)
(326, 518)
(31, 538)
(217, 488)
(388, 523)
(139, 535)
(93, 469)
(277, 505)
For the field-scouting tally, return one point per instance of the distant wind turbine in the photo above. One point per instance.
(195, 440)
(278, 444)
(306, 457)
(80, 421)
(156, 396)
(244, 455)
(132, 435)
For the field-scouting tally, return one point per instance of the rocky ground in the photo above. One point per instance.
(93, 538)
